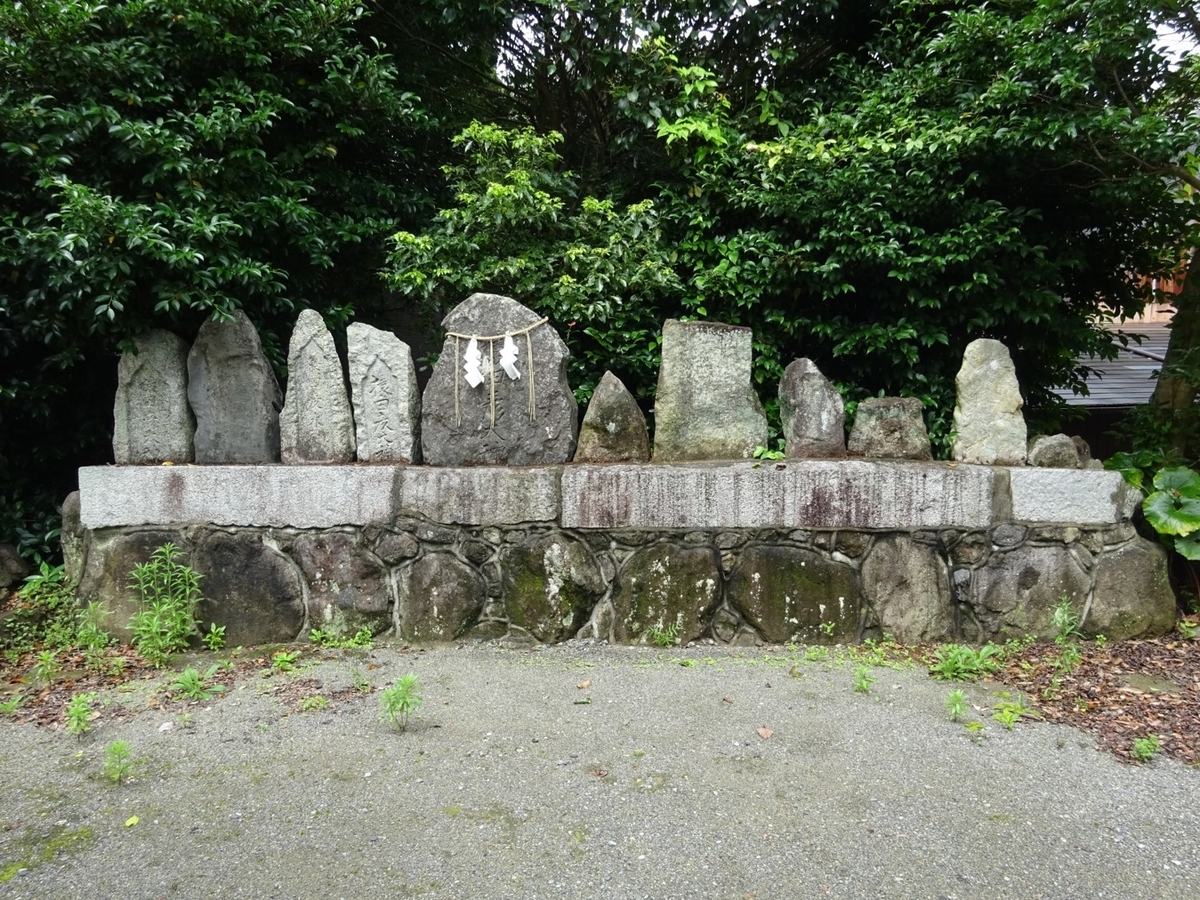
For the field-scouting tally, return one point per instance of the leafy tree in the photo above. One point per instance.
(968, 176)
(598, 270)
(162, 161)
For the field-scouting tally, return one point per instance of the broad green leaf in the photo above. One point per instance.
(1168, 516)
(1188, 547)
(1179, 478)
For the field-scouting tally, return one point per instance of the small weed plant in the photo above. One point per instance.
(361, 682)
(1146, 748)
(958, 662)
(193, 685)
(314, 703)
(1008, 712)
(214, 638)
(45, 667)
(765, 453)
(284, 660)
(79, 714)
(401, 700)
(1187, 629)
(118, 761)
(10, 706)
(360, 640)
(956, 705)
(168, 594)
(863, 680)
(828, 628)
(664, 635)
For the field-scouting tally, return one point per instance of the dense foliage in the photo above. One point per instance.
(166, 160)
(869, 183)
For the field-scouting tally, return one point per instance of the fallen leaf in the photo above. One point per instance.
(584, 685)
(726, 700)
(600, 773)
(765, 733)
(131, 821)
(584, 701)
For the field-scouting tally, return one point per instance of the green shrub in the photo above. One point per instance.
(168, 594)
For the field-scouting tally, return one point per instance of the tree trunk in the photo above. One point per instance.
(1175, 393)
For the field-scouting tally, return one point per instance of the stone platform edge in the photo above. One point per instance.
(822, 494)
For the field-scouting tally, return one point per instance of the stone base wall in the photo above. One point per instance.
(812, 551)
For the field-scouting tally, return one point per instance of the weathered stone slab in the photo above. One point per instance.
(1071, 497)
(490, 423)
(234, 395)
(152, 421)
(550, 584)
(1055, 451)
(1015, 592)
(383, 388)
(813, 414)
(438, 597)
(793, 594)
(706, 407)
(614, 427)
(1133, 596)
(666, 590)
(890, 428)
(492, 495)
(346, 589)
(796, 494)
(252, 590)
(988, 424)
(315, 425)
(304, 497)
(908, 586)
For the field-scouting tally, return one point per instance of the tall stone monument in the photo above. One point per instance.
(814, 417)
(234, 394)
(706, 407)
(316, 425)
(383, 391)
(498, 394)
(152, 422)
(988, 424)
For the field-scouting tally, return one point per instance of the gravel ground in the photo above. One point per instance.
(584, 771)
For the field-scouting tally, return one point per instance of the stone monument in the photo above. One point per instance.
(383, 391)
(315, 425)
(498, 394)
(706, 407)
(152, 422)
(234, 394)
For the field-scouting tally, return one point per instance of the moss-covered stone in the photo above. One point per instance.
(550, 585)
(438, 597)
(665, 594)
(793, 594)
(1133, 596)
(346, 589)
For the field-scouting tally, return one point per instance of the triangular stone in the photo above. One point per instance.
(152, 422)
(316, 425)
(383, 391)
(614, 427)
(234, 394)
